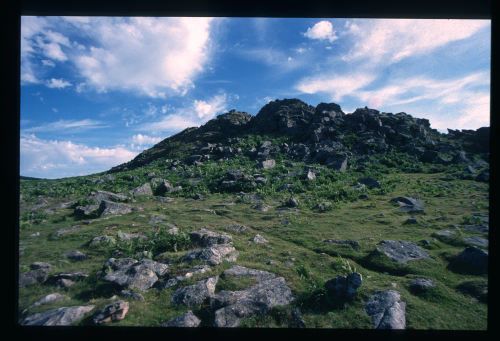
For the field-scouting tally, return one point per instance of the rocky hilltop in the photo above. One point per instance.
(323, 134)
(296, 217)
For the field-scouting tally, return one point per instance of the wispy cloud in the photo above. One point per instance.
(56, 159)
(336, 86)
(67, 126)
(141, 139)
(391, 40)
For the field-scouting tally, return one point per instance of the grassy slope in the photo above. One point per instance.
(447, 203)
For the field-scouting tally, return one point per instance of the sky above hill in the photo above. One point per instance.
(96, 91)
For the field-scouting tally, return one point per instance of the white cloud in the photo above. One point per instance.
(196, 114)
(278, 59)
(336, 86)
(322, 30)
(151, 56)
(148, 56)
(66, 126)
(56, 159)
(208, 109)
(391, 40)
(145, 139)
(48, 62)
(55, 83)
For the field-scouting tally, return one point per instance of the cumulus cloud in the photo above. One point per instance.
(336, 86)
(207, 109)
(66, 126)
(322, 30)
(56, 83)
(391, 40)
(154, 57)
(57, 159)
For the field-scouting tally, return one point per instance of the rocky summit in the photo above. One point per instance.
(299, 216)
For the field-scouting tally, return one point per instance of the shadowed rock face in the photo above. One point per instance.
(401, 251)
(64, 316)
(386, 310)
(471, 260)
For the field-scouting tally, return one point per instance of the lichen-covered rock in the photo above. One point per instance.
(196, 294)
(143, 190)
(232, 306)
(64, 316)
(115, 311)
(401, 251)
(186, 320)
(387, 310)
(214, 255)
(205, 237)
(130, 273)
(107, 208)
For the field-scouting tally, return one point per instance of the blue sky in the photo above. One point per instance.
(96, 91)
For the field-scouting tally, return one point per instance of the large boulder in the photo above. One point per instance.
(107, 208)
(387, 310)
(132, 274)
(232, 306)
(421, 285)
(99, 196)
(64, 316)
(186, 320)
(471, 260)
(401, 251)
(39, 273)
(344, 287)
(194, 295)
(143, 190)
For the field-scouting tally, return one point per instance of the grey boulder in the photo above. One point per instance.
(196, 294)
(387, 310)
(115, 311)
(186, 320)
(64, 316)
(344, 287)
(401, 251)
(132, 274)
(205, 237)
(408, 204)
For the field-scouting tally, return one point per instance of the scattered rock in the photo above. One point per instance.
(310, 175)
(68, 230)
(99, 196)
(40, 266)
(156, 220)
(420, 285)
(472, 260)
(267, 164)
(129, 236)
(196, 294)
(186, 320)
(115, 311)
(369, 182)
(205, 237)
(261, 207)
(143, 190)
(89, 211)
(408, 204)
(102, 240)
(401, 251)
(38, 275)
(236, 228)
(107, 208)
(241, 271)
(476, 228)
(344, 287)
(198, 196)
(130, 273)
(292, 202)
(131, 295)
(386, 310)
(297, 321)
(258, 239)
(75, 255)
(64, 316)
(213, 255)
(36, 234)
(258, 299)
(50, 298)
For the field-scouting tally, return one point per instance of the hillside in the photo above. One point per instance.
(299, 216)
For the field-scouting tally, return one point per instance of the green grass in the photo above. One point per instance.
(296, 249)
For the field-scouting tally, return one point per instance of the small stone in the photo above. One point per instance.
(75, 255)
(268, 164)
(420, 285)
(187, 320)
(115, 311)
(258, 239)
